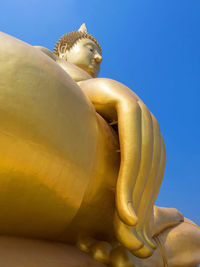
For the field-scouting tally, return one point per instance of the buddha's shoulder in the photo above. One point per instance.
(76, 73)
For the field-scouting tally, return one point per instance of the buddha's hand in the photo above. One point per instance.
(142, 160)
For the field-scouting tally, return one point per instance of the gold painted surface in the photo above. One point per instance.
(82, 158)
(20, 252)
(45, 162)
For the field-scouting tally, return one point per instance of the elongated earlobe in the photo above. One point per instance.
(62, 50)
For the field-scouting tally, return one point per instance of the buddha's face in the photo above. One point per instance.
(86, 55)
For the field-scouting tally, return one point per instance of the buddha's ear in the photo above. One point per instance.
(62, 50)
(82, 28)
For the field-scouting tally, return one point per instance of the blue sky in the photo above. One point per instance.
(153, 47)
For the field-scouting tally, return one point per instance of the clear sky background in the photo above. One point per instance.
(153, 47)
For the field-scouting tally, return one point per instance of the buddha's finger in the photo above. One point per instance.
(84, 243)
(129, 128)
(145, 167)
(121, 257)
(144, 252)
(101, 251)
(129, 238)
(125, 235)
(145, 203)
(156, 189)
(146, 156)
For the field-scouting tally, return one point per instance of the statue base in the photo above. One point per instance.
(21, 252)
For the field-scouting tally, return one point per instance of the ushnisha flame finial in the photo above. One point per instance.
(82, 28)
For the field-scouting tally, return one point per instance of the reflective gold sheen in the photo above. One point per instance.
(81, 163)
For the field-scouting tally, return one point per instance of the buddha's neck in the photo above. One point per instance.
(76, 73)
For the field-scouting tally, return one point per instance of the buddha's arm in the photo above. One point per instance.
(114, 103)
(141, 145)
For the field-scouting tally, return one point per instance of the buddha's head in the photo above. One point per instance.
(81, 49)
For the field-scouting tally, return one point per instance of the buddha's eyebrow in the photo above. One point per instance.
(93, 45)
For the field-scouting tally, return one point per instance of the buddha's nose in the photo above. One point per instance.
(98, 58)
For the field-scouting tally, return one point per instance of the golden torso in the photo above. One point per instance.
(53, 152)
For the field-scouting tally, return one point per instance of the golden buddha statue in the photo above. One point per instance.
(82, 161)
